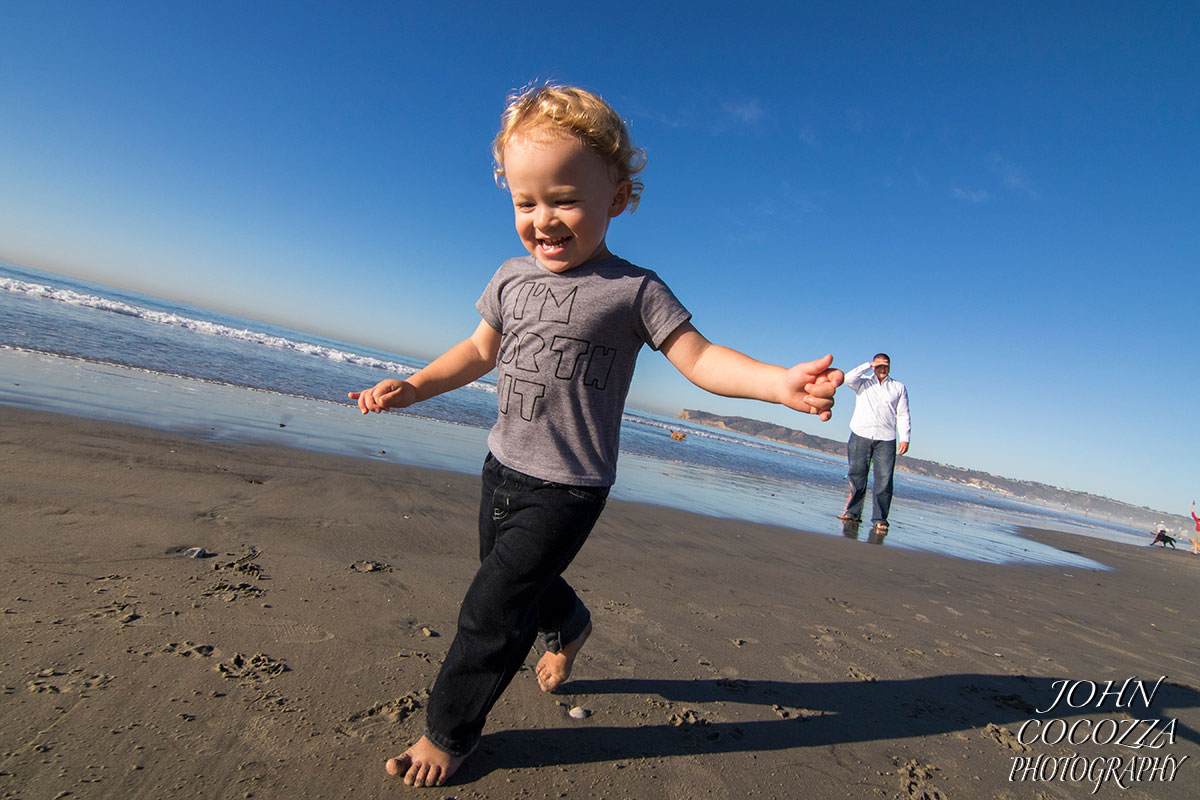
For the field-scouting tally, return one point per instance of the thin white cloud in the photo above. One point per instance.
(697, 110)
(747, 112)
(970, 195)
(1012, 176)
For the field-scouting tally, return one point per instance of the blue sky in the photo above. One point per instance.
(1003, 197)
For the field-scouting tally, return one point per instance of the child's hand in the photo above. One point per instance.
(389, 393)
(810, 387)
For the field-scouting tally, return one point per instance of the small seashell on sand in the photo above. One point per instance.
(196, 552)
(578, 712)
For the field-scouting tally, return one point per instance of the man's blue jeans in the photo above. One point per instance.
(529, 531)
(862, 453)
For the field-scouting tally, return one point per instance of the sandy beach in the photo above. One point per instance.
(729, 659)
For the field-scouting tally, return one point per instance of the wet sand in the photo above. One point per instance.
(729, 659)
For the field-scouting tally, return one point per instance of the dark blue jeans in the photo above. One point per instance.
(862, 453)
(529, 531)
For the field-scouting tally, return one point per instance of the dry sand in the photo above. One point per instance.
(729, 660)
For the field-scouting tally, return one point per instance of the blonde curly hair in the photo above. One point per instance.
(576, 112)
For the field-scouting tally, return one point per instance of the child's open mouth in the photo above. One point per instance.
(553, 244)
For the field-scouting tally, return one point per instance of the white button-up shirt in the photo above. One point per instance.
(881, 407)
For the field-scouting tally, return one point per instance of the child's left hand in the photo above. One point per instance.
(809, 387)
(388, 393)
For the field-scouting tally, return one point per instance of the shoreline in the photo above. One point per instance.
(963, 477)
(729, 659)
(222, 413)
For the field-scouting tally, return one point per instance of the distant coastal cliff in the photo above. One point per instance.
(1137, 517)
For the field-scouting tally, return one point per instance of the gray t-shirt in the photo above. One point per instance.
(569, 342)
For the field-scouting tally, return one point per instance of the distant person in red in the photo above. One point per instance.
(1196, 535)
(1161, 536)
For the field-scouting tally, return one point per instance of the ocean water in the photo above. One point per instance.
(80, 348)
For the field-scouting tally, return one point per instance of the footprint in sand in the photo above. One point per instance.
(253, 668)
(1005, 737)
(189, 649)
(621, 609)
(1016, 701)
(916, 780)
(860, 674)
(123, 613)
(695, 725)
(688, 717)
(52, 681)
(827, 637)
(245, 564)
(230, 591)
(380, 717)
(288, 632)
(842, 604)
(873, 632)
(370, 566)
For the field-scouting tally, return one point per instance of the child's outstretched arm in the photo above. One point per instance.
(467, 361)
(807, 387)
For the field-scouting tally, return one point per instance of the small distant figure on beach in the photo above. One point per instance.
(563, 325)
(1161, 537)
(1196, 535)
(880, 430)
(678, 436)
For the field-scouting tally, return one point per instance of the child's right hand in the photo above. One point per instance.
(388, 393)
(809, 387)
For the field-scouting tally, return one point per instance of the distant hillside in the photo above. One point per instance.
(1136, 517)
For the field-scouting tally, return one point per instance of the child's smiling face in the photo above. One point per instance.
(563, 196)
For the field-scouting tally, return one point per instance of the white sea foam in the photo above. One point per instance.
(70, 297)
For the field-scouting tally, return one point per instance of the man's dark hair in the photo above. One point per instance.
(882, 355)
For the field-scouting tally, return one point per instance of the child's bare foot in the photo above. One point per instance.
(425, 764)
(553, 669)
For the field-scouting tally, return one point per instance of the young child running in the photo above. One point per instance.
(564, 325)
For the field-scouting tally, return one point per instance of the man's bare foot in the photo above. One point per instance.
(425, 764)
(553, 669)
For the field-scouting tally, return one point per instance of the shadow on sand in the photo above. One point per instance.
(817, 714)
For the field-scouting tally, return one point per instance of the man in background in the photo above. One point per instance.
(879, 431)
